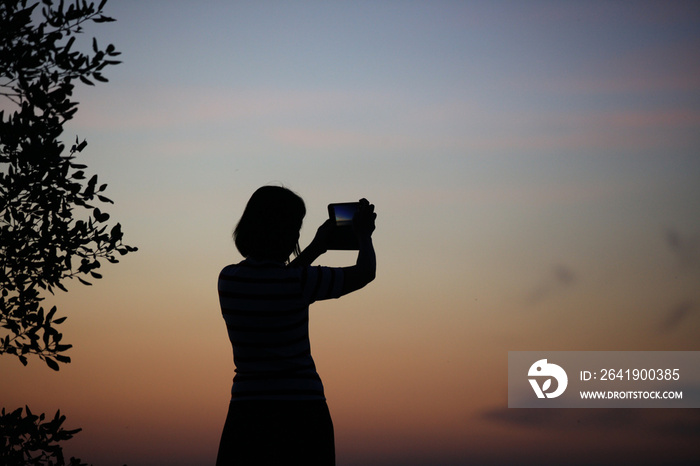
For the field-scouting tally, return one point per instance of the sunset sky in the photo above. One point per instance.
(535, 168)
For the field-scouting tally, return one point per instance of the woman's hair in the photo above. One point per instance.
(270, 224)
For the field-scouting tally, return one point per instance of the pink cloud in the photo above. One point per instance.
(185, 107)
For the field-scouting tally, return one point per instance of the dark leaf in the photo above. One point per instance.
(51, 313)
(100, 216)
(69, 44)
(103, 19)
(116, 232)
(51, 363)
(83, 281)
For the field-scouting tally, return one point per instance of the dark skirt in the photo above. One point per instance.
(277, 433)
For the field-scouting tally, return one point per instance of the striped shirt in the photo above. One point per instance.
(266, 308)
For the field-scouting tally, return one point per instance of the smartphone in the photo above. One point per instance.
(343, 236)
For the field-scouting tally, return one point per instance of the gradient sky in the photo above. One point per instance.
(535, 167)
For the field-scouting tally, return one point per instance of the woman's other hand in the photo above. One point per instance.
(363, 221)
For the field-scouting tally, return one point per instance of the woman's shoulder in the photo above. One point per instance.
(252, 268)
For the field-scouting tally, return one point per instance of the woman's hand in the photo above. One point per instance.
(323, 235)
(318, 246)
(363, 220)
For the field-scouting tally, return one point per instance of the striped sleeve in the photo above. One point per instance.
(319, 283)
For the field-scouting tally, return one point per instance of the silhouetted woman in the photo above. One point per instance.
(278, 413)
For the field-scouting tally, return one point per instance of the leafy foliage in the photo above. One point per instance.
(32, 440)
(51, 224)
